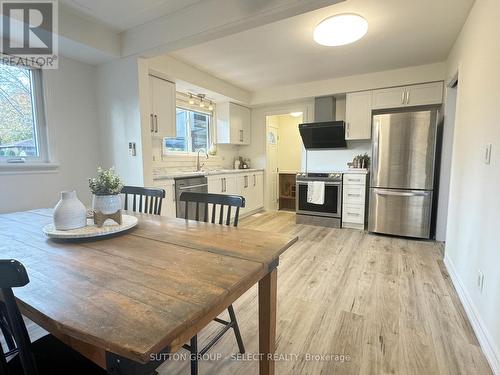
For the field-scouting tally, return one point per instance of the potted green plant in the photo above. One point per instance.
(106, 188)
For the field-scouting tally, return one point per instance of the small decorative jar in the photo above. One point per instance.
(69, 212)
(107, 204)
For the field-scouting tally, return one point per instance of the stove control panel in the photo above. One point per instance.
(335, 175)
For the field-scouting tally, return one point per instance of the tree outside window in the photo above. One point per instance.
(18, 136)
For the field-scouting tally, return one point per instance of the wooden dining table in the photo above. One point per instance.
(128, 300)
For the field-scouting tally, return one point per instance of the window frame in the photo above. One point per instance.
(187, 107)
(40, 124)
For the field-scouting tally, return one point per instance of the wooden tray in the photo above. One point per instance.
(91, 230)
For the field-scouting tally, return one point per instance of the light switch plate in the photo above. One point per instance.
(487, 153)
(132, 149)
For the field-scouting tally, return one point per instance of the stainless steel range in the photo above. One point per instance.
(330, 212)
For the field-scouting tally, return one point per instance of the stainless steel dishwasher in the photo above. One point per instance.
(193, 184)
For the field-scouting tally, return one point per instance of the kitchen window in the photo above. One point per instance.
(22, 126)
(193, 132)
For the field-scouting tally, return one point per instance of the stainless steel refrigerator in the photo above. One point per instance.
(402, 184)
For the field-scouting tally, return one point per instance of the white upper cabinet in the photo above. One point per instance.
(430, 93)
(163, 99)
(233, 124)
(358, 115)
(389, 98)
(406, 96)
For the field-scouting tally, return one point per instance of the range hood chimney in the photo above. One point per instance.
(324, 108)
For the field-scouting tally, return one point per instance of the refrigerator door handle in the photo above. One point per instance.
(403, 194)
(374, 166)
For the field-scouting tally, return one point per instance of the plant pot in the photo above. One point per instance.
(107, 204)
(69, 212)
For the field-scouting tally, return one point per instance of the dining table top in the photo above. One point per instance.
(141, 292)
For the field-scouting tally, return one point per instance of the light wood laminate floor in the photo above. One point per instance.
(385, 305)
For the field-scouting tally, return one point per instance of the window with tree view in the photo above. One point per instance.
(18, 118)
(192, 132)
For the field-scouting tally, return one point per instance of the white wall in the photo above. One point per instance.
(446, 157)
(175, 70)
(71, 112)
(335, 159)
(360, 82)
(289, 143)
(120, 118)
(472, 239)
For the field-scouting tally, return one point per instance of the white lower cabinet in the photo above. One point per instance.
(354, 200)
(222, 184)
(249, 185)
(168, 207)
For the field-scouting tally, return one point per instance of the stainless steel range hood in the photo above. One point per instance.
(324, 132)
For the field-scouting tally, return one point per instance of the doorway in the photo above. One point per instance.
(284, 152)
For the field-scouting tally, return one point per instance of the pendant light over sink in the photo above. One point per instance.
(340, 29)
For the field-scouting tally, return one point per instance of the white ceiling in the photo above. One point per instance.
(401, 33)
(122, 15)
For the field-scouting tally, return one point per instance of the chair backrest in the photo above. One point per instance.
(144, 200)
(12, 275)
(206, 199)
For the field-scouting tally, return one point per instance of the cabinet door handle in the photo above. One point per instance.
(156, 124)
(254, 180)
(348, 130)
(152, 123)
(353, 195)
(353, 214)
(173, 195)
(241, 135)
(408, 97)
(246, 181)
(354, 179)
(403, 97)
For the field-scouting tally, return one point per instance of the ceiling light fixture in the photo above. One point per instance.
(295, 114)
(211, 106)
(340, 30)
(201, 96)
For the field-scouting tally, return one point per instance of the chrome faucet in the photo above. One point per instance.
(198, 165)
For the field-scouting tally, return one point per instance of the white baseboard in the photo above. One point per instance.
(488, 346)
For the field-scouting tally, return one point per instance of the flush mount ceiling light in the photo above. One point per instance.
(295, 114)
(340, 30)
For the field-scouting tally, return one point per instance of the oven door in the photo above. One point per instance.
(331, 206)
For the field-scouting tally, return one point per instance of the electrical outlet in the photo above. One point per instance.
(480, 281)
(487, 153)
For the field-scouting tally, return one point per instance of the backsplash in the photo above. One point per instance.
(224, 159)
(334, 159)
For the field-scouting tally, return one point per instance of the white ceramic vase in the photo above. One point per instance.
(107, 204)
(69, 212)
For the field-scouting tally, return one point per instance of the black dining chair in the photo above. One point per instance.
(6, 331)
(46, 356)
(218, 203)
(144, 200)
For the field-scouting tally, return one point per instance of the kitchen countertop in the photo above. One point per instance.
(181, 174)
(355, 171)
